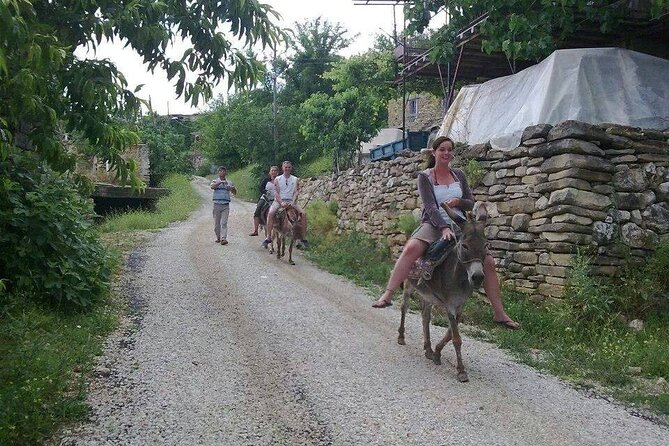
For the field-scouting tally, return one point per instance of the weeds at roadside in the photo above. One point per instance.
(46, 355)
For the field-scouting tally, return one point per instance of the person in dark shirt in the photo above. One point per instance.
(266, 197)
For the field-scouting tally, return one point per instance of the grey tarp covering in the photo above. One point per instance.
(594, 85)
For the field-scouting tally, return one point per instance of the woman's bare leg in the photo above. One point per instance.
(411, 252)
(494, 292)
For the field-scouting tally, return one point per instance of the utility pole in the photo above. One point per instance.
(404, 81)
(274, 129)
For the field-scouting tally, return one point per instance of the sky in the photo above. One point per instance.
(365, 21)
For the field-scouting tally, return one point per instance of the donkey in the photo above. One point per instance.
(286, 220)
(452, 282)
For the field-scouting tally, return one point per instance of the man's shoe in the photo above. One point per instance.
(304, 244)
(266, 242)
(224, 242)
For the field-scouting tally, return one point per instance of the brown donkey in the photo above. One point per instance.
(452, 282)
(286, 220)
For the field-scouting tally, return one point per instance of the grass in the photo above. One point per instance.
(246, 183)
(581, 338)
(177, 206)
(586, 354)
(46, 356)
(316, 167)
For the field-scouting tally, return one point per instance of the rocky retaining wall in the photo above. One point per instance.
(603, 189)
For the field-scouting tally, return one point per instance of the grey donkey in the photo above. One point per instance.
(452, 282)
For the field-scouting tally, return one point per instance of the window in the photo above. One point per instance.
(412, 105)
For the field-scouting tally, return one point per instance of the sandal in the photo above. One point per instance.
(382, 304)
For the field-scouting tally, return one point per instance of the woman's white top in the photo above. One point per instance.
(270, 189)
(447, 192)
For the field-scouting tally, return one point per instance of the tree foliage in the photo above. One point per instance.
(169, 142)
(46, 92)
(45, 89)
(240, 131)
(49, 245)
(315, 45)
(522, 29)
(355, 111)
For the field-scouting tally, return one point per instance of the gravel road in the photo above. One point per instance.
(229, 346)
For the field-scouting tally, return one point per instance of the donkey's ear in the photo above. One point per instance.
(480, 211)
(457, 219)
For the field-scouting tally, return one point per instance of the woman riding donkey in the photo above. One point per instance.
(287, 189)
(267, 193)
(437, 184)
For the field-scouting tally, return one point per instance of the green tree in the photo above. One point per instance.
(239, 131)
(169, 141)
(357, 109)
(316, 45)
(45, 89)
(48, 246)
(522, 29)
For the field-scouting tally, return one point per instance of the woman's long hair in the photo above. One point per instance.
(436, 143)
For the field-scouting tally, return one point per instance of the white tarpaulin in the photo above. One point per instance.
(594, 85)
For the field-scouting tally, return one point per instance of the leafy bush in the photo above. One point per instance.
(407, 223)
(645, 288)
(333, 206)
(474, 172)
(590, 299)
(169, 142)
(50, 248)
(322, 220)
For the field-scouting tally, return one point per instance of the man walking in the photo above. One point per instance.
(222, 188)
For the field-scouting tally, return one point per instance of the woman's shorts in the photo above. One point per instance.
(426, 233)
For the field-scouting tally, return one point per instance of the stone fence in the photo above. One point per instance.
(601, 189)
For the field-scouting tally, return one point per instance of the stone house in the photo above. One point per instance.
(424, 111)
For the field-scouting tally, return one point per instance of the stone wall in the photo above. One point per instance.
(572, 186)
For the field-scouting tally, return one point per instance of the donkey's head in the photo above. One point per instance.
(471, 244)
(287, 218)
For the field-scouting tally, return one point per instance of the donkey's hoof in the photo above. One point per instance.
(429, 354)
(436, 359)
(291, 262)
(462, 377)
(401, 341)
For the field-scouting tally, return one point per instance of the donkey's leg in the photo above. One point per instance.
(290, 251)
(426, 312)
(279, 244)
(457, 343)
(272, 236)
(436, 357)
(406, 294)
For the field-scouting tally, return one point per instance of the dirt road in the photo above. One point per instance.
(230, 346)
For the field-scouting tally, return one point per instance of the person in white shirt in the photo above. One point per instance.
(286, 190)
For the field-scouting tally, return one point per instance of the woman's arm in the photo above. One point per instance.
(263, 184)
(426, 193)
(467, 201)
